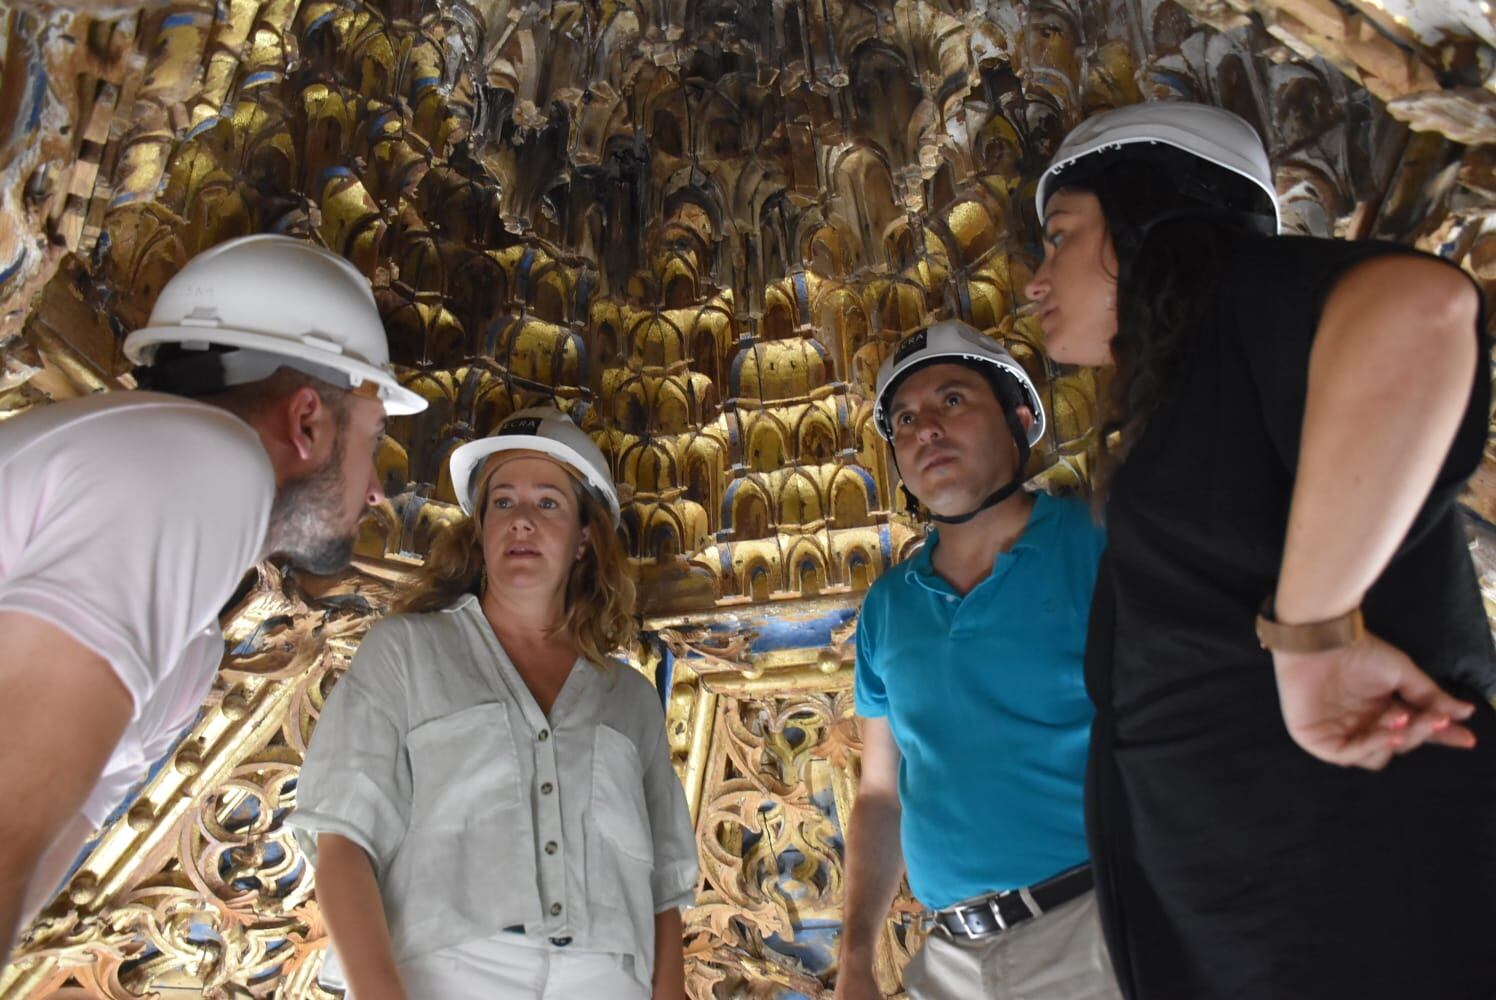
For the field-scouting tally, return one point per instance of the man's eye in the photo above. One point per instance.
(954, 399)
(903, 419)
(549, 504)
(501, 502)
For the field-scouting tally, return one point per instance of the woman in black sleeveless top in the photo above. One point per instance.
(1290, 423)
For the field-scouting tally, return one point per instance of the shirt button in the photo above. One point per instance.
(555, 909)
(550, 847)
(545, 734)
(547, 788)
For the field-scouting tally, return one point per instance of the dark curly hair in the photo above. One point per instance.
(1172, 219)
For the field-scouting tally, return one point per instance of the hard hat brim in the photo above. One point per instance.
(398, 401)
(1151, 134)
(470, 457)
(935, 356)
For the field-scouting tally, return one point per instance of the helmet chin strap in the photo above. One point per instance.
(1020, 437)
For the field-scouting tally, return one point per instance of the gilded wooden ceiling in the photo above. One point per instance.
(699, 225)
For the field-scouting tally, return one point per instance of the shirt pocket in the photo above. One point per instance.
(461, 764)
(469, 854)
(619, 808)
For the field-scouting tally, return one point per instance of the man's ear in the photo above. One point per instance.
(1025, 416)
(306, 421)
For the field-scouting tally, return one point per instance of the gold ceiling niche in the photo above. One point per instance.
(698, 226)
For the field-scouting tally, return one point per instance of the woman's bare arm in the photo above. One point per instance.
(1389, 380)
(351, 904)
(670, 959)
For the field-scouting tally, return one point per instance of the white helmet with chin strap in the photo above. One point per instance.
(953, 342)
(246, 307)
(1207, 134)
(544, 429)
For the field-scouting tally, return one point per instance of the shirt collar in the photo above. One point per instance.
(1036, 532)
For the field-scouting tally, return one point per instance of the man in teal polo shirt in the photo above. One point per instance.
(969, 684)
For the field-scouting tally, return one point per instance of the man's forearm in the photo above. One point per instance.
(47, 675)
(875, 864)
(351, 904)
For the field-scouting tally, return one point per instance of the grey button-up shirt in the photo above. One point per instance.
(479, 812)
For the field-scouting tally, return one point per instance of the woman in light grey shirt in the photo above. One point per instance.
(488, 798)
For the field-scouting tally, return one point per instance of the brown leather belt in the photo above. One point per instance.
(994, 914)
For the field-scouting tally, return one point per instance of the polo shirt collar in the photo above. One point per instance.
(1036, 535)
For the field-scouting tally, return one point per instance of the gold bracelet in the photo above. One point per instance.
(1310, 637)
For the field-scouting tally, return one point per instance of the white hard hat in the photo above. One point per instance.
(544, 429)
(950, 340)
(1212, 134)
(276, 301)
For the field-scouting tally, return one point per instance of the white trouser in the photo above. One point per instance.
(512, 967)
(1059, 955)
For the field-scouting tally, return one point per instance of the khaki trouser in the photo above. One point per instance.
(1057, 956)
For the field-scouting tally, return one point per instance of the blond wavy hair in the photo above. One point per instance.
(598, 615)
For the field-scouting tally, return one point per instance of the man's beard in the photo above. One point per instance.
(306, 511)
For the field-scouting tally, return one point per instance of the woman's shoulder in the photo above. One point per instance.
(629, 691)
(1306, 260)
(392, 638)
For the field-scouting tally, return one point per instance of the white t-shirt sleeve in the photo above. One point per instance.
(130, 527)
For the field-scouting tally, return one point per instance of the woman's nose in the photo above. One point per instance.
(1038, 285)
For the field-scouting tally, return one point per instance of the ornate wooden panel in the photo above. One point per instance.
(699, 226)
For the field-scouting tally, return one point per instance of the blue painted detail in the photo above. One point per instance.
(319, 22)
(725, 558)
(495, 332)
(576, 338)
(664, 675)
(728, 494)
(12, 269)
(814, 947)
(184, 20)
(779, 633)
(885, 544)
(526, 262)
(259, 78)
(735, 373)
(36, 93)
(334, 171)
(772, 634)
(421, 83)
(201, 933)
(802, 297)
(867, 479)
(203, 126)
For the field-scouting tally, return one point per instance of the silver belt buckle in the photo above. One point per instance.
(961, 913)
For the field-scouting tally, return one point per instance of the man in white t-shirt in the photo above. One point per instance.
(128, 519)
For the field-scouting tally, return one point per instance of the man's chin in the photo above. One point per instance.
(328, 556)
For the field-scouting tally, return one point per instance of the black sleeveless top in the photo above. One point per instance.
(1230, 862)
